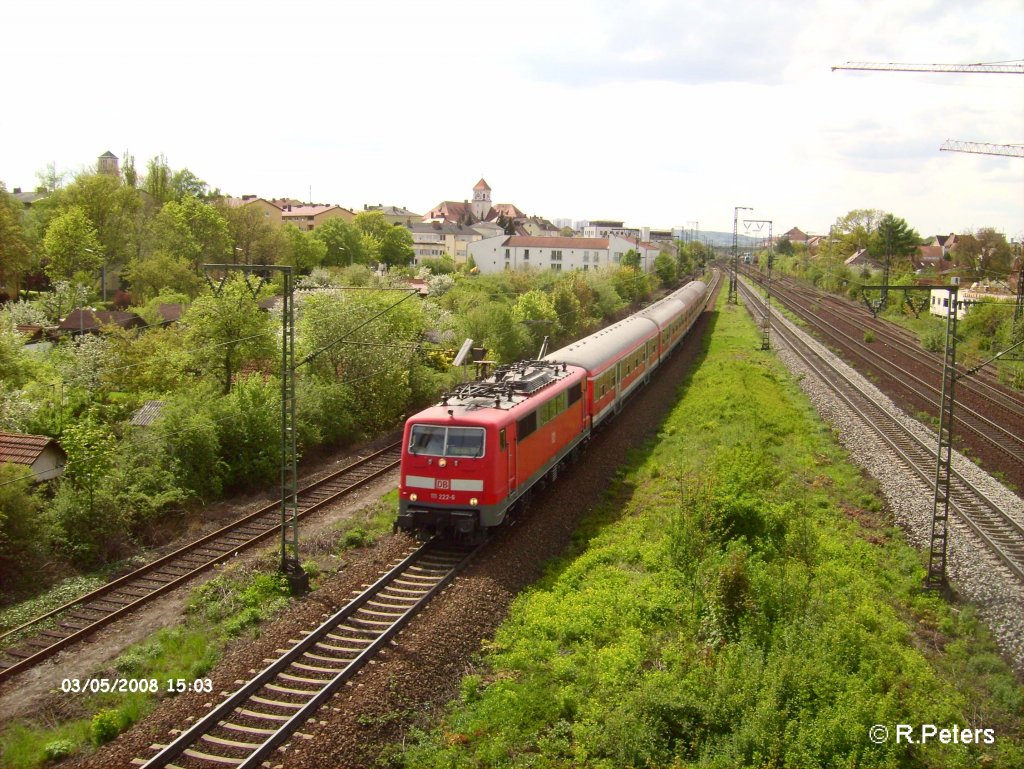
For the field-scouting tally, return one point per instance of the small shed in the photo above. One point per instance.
(38, 453)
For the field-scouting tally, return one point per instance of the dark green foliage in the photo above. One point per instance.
(249, 431)
(188, 429)
(22, 539)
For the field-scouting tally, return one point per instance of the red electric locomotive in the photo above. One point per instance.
(466, 461)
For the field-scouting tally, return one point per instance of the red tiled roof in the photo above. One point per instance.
(481, 185)
(22, 449)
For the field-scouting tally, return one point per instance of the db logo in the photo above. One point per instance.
(442, 483)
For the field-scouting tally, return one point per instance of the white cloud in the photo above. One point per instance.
(658, 112)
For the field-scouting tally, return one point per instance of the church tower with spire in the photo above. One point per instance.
(481, 200)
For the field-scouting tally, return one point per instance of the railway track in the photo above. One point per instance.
(1003, 535)
(984, 384)
(894, 359)
(77, 619)
(250, 724)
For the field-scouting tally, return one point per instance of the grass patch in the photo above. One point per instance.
(368, 524)
(65, 591)
(741, 599)
(232, 605)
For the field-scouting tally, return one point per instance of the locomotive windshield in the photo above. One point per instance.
(435, 441)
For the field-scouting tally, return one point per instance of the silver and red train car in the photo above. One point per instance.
(468, 460)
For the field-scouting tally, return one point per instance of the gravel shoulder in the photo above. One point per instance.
(977, 576)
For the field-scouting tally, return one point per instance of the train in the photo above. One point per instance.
(468, 461)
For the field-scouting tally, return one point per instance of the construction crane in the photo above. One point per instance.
(951, 145)
(982, 148)
(1007, 68)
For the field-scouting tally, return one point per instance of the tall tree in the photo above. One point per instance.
(303, 252)
(15, 254)
(853, 231)
(191, 230)
(71, 245)
(184, 183)
(158, 181)
(344, 242)
(113, 207)
(256, 241)
(985, 252)
(229, 329)
(894, 242)
(50, 179)
(392, 244)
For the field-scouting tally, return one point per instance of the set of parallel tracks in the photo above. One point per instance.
(967, 416)
(267, 711)
(1003, 535)
(87, 614)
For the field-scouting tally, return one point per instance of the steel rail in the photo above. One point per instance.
(992, 433)
(311, 498)
(983, 385)
(1001, 534)
(429, 559)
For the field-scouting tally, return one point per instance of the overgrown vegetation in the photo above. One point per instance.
(369, 355)
(984, 255)
(232, 605)
(739, 600)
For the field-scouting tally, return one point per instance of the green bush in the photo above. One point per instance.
(58, 749)
(106, 725)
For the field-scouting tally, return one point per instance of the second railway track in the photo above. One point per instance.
(1002, 535)
(990, 420)
(87, 614)
(250, 724)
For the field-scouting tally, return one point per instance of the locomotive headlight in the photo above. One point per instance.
(442, 463)
(413, 497)
(474, 502)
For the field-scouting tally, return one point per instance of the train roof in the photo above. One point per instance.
(514, 388)
(595, 351)
(667, 308)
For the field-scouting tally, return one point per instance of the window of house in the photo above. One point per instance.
(526, 253)
(508, 253)
(556, 256)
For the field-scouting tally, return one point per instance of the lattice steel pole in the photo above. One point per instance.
(766, 326)
(936, 578)
(733, 297)
(290, 565)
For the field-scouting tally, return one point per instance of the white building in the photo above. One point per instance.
(605, 228)
(977, 293)
(517, 252)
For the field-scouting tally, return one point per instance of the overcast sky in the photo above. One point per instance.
(660, 113)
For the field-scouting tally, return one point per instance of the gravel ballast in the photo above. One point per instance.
(976, 574)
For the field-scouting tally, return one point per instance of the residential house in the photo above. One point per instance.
(604, 228)
(862, 260)
(795, 235)
(272, 212)
(308, 217)
(479, 210)
(395, 214)
(514, 252)
(36, 453)
(535, 226)
(432, 240)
